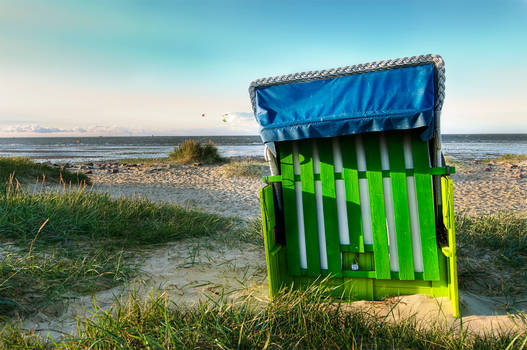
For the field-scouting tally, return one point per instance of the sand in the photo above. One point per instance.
(482, 188)
(204, 186)
(189, 269)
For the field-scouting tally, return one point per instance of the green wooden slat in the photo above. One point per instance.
(271, 248)
(400, 206)
(305, 154)
(290, 217)
(359, 274)
(425, 206)
(329, 203)
(351, 183)
(378, 215)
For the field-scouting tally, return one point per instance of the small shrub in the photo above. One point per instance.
(193, 151)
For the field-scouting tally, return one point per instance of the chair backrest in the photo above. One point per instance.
(359, 206)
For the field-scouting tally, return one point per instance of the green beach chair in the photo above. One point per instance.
(358, 192)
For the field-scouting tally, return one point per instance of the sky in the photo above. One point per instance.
(138, 67)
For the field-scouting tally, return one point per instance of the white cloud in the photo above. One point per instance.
(38, 129)
(241, 121)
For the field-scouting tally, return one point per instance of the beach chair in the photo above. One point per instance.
(358, 197)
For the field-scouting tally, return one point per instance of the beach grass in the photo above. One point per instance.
(302, 319)
(26, 170)
(245, 168)
(45, 280)
(80, 241)
(192, 151)
(492, 253)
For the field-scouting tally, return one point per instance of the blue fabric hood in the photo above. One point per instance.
(383, 100)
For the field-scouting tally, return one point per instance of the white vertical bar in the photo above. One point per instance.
(361, 155)
(408, 155)
(412, 204)
(296, 161)
(363, 192)
(320, 210)
(388, 206)
(337, 155)
(385, 159)
(299, 210)
(340, 190)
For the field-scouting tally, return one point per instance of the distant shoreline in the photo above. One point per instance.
(61, 150)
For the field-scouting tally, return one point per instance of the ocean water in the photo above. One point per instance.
(72, 150)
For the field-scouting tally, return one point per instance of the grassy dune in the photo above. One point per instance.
(56, 244)
(25, 170)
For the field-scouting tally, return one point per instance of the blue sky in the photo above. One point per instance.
(104, 67)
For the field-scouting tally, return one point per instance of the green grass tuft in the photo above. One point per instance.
(190, 151)
(24, 170)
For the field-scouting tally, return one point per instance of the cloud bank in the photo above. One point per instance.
(233, 123)
(28, 130)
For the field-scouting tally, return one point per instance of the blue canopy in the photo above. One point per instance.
(393, 99)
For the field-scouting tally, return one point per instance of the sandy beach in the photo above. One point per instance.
(480, 187)
(204, 186)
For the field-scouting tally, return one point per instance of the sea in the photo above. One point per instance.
(61, 150)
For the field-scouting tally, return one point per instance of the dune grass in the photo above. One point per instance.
(25, 170)
(192, 151)
(492, 253)
(245, 168)
(56, 244)
(295, 320)
(45, 281)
